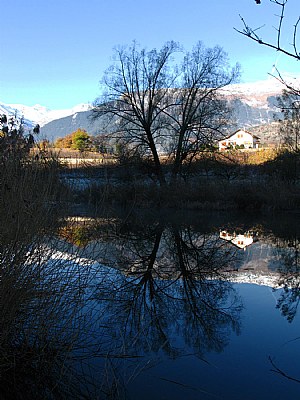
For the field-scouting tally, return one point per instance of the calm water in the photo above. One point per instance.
(242, 369)
(200, 307)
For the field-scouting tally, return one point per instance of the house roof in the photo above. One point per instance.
(239, 130)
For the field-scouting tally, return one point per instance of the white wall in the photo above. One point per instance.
(239, 138)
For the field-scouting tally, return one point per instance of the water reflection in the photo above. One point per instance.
(172, 293)
(165, 295)
(169, 291)
(281, 263)
(42, 294)
(289, 270)
(241, 240)
(173, 251)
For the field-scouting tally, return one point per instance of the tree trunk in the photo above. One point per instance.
(178, 160)
(157, 163)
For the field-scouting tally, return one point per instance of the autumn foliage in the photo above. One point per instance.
(77, 140)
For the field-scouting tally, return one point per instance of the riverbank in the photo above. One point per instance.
(200, 194)
(207, 184)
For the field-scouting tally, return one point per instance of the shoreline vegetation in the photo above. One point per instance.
(264, 180)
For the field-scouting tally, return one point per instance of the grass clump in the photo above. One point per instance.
(41, 292)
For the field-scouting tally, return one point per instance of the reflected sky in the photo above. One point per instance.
(177, 321)
(152, 306)
(179, 312)
(243, 369)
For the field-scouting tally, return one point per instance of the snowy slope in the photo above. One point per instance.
(256, 94)
(254, 104)
(38, 114)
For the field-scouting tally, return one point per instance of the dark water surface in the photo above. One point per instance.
(185, 313)
(243, 369)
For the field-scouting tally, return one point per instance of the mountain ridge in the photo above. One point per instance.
(39, 114)
(254, 104)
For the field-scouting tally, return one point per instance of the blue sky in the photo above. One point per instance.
(54, 52)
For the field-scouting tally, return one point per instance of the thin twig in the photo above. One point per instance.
(280, 372)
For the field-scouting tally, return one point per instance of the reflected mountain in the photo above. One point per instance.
(288, 252)
(275, 262)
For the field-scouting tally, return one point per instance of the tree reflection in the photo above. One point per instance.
(172, 295)
(288, 250)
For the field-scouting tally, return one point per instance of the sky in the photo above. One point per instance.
(54, 53)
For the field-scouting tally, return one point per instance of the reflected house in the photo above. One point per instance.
(239, 139)
(239, 240)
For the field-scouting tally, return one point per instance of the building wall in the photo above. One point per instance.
(238, 139)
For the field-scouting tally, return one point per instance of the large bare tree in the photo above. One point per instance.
(162, 106)
(135, 88)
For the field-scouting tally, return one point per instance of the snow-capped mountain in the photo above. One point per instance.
(254, 104)
(38, 114)
(255, 93)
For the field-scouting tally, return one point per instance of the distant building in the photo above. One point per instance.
(240, 139)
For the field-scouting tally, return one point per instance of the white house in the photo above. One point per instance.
(239, 240)
(241, 139)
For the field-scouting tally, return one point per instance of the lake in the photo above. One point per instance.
(191, 305)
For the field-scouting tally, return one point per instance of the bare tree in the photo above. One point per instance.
(199, 114)
(136, 86)
(15, 142)
(290, 51)
(161, 106)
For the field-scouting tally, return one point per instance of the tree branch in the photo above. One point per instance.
(251, 33)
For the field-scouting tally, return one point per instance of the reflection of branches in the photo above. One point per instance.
(44, 313)
(201, 263)
(43, 323)
(289, 299)
(290, 279)
(173, 288)
(280, 372)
